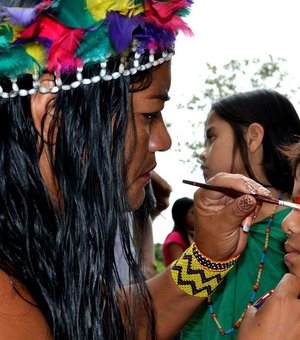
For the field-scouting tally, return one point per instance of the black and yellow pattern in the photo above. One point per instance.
(194, 278)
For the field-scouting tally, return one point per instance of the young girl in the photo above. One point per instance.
(180, 238)
(242, 135)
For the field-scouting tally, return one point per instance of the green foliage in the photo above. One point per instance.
(159, 258)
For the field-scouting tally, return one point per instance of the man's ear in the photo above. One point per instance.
(40, 111)
(254, 137)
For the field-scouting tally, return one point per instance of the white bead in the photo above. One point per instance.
(4, 95)
(126, 73)
(23, 92)
(107, 77)
(15, 87)
(142, 68)
(161, 60)
(32, 91)
(86, 81)
(95, 79)
(165, 54)
(58, 82)
(121, 68)
(115, 75)
(136, 63)
(103, 65)
(79, 69)
(151, 58)
(43, 89)
(148, 65)
(155, 63)
(102, 73)
(75, 84)
(54, 89)
(35, 76)
(79, 76)
(1, 89)
(133, 71)
(36, 84)
(12, 94)
(66, 87)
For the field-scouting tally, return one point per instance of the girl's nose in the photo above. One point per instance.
(291, 224)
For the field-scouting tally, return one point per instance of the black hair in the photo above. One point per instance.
(62, 250)
(281, 124)
(179, 210)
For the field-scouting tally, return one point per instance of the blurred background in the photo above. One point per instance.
(237, 45)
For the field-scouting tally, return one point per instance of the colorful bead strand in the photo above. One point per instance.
(255, 286)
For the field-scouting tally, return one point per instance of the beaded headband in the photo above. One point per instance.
(64, 36)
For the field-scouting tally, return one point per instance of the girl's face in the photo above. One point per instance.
(218, 153)
(291, 227)
(151, 133)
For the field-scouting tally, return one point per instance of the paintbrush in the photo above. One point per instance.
(235, 193)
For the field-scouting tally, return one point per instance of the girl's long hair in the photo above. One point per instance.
(281, 126)
(63, 251)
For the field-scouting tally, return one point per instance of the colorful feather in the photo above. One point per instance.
(37, 52)
(120, 30)
(6, 36)
(61, 35)
(16, 62)
(20, 16)
(165, 14)
(61, 56)
(63, 42)
(96, 45)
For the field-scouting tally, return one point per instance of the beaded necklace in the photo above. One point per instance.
(255, 286)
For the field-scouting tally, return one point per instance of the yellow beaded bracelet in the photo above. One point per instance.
(198, 275)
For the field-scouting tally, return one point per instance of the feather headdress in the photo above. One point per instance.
(62, 36)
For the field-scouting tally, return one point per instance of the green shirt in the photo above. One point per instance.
(233, 294)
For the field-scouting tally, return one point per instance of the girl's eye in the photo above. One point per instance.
(208, 139)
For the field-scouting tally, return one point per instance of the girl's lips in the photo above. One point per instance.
(291, 252)
(289, 249)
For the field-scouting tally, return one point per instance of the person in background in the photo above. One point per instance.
(243, 134)
(181, 237)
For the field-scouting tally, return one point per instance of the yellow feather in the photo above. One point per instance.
(99, 8)
(37, 52)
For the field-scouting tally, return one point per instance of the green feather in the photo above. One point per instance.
(6, 36)
(73, 13)
(15, 62)
(96, 45)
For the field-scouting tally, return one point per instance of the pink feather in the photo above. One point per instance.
(162, 13)
(61, 55)
(63, 42)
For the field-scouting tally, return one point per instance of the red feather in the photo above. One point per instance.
(63, 42)
(61, 54)
(162, 13)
